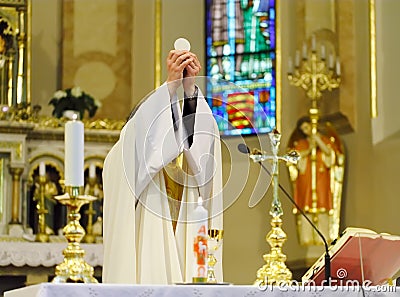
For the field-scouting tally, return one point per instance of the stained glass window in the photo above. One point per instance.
(240, 53)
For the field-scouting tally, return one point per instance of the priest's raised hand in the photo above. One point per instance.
(182, 66)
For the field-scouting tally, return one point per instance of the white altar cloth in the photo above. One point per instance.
(107, 290)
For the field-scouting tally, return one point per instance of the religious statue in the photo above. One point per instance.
(317, 180)
(6, 47)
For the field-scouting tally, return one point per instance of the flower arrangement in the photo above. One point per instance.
(73, 99)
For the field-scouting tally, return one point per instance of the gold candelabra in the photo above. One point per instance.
(42, 235)
(314, 74)
(275, 270)
(74, 268)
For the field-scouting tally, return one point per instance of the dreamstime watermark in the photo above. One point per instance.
(341, 283)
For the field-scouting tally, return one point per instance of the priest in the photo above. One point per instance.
(167, 156)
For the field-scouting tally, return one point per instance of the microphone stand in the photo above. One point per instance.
(244, 149)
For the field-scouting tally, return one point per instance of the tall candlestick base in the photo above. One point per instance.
(274, 272)
(214, 242)
(74, 268)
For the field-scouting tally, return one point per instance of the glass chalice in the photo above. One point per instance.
(214, 243)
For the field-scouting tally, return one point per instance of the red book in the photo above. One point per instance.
(360, 256)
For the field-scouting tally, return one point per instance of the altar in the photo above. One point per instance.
(103, 290)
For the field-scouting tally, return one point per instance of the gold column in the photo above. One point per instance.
(10, 88)
(157, 49)
(21, 55)
(16, 173)
(28, 39)
(372, 38)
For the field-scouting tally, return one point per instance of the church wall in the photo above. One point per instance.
(46, 51)
(387, 122)
(370, 193)
(143, 50)
(96, 52)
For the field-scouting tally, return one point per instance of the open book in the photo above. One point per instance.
(360, 256)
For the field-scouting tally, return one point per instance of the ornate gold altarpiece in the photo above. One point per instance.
(27, 140)
(24, 145)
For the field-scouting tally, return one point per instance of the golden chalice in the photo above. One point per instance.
(214, 243)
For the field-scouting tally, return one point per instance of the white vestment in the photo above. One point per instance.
(140, 246)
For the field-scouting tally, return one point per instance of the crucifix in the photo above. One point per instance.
(275, 270)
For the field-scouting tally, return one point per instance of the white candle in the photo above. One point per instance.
(338, 66)
(313, 43)
(323, 54)
(42, 169)
(74, 146)
(92, 170)
(297, 59)
(200, 217)
(304, 51)
(330, 61)
(290, 65)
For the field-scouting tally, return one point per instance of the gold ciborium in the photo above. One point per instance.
(214, 242)
(74, 268)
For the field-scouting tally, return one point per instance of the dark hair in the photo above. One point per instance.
(298, 133)
(301, 121)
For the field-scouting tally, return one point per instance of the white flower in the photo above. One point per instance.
(60, 94)
(76, 92)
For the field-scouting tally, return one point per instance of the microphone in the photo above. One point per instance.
(245, 150)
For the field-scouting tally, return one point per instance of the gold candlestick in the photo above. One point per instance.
(74, 268)
(42, 236)
(214, 241)
(275, 270)
(314, 76)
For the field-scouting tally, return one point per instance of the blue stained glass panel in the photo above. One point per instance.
(240, 53)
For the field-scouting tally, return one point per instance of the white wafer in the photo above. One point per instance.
(182, 44)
